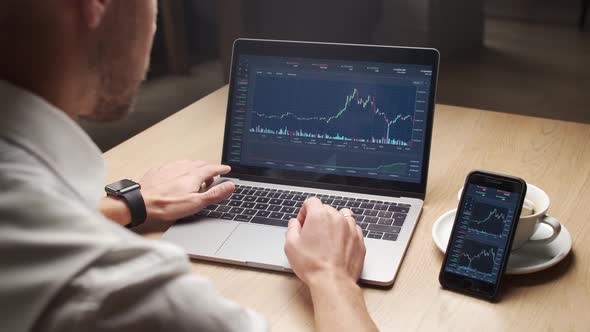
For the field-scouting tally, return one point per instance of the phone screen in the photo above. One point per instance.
(481, 237)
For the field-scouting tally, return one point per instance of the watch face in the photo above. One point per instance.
(122, 186)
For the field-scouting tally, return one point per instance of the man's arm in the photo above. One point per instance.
(145, 286)
(172, 192)
(326, 250)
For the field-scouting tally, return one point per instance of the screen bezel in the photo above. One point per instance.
(472, 286)
(332, 51)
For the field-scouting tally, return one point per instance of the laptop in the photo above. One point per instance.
(349, 124)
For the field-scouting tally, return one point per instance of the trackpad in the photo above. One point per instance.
(256, 245)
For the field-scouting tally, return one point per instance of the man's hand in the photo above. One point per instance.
(172, 192)
(326, 250)
(322, 243)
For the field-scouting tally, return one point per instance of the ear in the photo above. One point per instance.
(93, 11)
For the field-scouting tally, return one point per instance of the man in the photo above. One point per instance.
(64, 266)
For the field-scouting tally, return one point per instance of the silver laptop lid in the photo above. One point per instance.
(343, 117)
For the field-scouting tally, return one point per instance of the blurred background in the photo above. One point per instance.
(527, 57)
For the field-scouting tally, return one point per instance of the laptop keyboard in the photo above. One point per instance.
(378, 220)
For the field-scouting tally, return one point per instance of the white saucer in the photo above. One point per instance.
(527, 259)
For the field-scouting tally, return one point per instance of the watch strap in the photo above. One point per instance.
(136, 206)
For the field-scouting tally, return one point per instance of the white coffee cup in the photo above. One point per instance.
(529, 224)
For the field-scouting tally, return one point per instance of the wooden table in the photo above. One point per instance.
(553, 155)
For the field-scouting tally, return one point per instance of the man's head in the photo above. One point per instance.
(86, 56)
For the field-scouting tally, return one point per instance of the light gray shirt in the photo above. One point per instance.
(64, 266)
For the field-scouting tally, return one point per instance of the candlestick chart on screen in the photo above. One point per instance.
(358, 112)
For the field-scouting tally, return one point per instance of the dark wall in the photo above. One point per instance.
(349, 21)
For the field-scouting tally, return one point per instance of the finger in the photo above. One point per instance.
(213, 195)
(359, 232)
(312, 203)
(210, 171)
(206, 172)
(346, 211)
(292, 236)
(293, 230)
(349, 216)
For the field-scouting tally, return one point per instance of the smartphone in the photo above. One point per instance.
(480, 242)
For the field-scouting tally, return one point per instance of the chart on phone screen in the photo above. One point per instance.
(485, 219)
(328, 116)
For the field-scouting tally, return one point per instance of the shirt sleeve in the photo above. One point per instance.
(144, 288)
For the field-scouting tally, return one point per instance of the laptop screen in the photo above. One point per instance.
(343, 118)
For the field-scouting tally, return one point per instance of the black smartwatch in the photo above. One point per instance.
(130, 192)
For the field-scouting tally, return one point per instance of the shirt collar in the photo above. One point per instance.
(55, 139)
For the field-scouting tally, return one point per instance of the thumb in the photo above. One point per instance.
(213, 195)
(293, 231)
(292, 236)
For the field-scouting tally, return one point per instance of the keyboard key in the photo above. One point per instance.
(381, 207)
(275, 194)
(203, 213)
(224, 202)
(215, 214)
(299, 198)
(298, 204)
(223, 208)
(211, 207)
(235, 203)
(288, 209)
(367, 206)
(249, 198)
(250, 212)
(398, 222)
(262, 200)
(364, 225)
(357, 211)
(228, 216)
(353, 204)
(385, 221)
(263, 213)
(385, 214)
(362, 200)
(274, 208)
(338, 202)
(269, 221)
(401, 216)
(399, 209)
(237, 210)
(375, 235)
(277, 215)
(289, 216)
(390, 237)
(404, 205)
(327, 201)
(286, 196)
(275, 201)
(296, 211)
(248, 205)
(372, 213)
(259, 193)
(288, 203)
(359, 218)
(384, 228)
(372, 220)
(243, 218)
(261, 206)
(236, 197)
